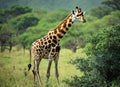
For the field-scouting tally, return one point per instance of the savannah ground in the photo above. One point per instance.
(14, 71)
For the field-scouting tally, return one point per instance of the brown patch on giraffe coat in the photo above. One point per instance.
(37, 41)
(37, 45)
(55, 31)
(69, 25)
(54, 37)
(41, 42)
(53, 50)
(54, 41)
(64, 25)
(49, 41)
(39, 50)
(49, 45)
(59, 26)
(57, 48)
(50, 37)
(53, 45)
(46, 47)
(47, 38)
(45, 42)
(50, 33)
(70, 20)
(62, 31)
(59, 36)
(66, 29)
(43, 46)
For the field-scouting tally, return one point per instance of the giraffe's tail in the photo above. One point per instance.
(29, 65)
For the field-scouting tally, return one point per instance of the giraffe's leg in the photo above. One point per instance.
(48, 70)
(56, 64)
(36, 71)
(56, 70)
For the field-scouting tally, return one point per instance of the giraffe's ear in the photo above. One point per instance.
(73, 12)
(80, 9)
(76, 7)
(84, 12)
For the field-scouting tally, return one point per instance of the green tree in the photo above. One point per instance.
(100, 11)
(13, 11)
(114, 4)
(106, 7)
(102, 67)
(26, 39)
(14, 21)
(7, 33)
(16, 10)
(105, 47)
(23, 40)
(22, 22)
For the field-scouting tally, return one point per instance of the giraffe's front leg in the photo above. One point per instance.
(56, 64)
(48, 70)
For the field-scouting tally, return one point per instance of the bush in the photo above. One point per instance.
(102, 67)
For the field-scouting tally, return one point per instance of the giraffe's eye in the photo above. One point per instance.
(78, 15)
(81, 13)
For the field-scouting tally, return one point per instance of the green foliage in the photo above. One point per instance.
(14, 21)
(105, 47)
(26, 39)
(55, 16)
(2, 18)
(108, 6)
(13, 11)
(91, 77)
(102, 66)
(6, 36)
(16, 10)
(100, 11)
(24, 21)
(114, 4)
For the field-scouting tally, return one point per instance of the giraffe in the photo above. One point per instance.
(48, 47)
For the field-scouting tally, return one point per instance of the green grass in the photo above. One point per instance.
(13, 68)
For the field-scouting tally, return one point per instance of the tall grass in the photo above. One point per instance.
(13, 69)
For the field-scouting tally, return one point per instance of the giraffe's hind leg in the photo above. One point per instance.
(56, 71)
(36, 72)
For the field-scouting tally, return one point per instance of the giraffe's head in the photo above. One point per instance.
(78, 15)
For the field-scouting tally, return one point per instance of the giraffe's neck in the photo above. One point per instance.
(62, 28)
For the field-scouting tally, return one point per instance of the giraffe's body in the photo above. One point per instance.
(49, 43)
(48, 46)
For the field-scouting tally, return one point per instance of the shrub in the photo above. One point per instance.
(102, 67)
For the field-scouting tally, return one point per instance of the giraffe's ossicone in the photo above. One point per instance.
(48, 47)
